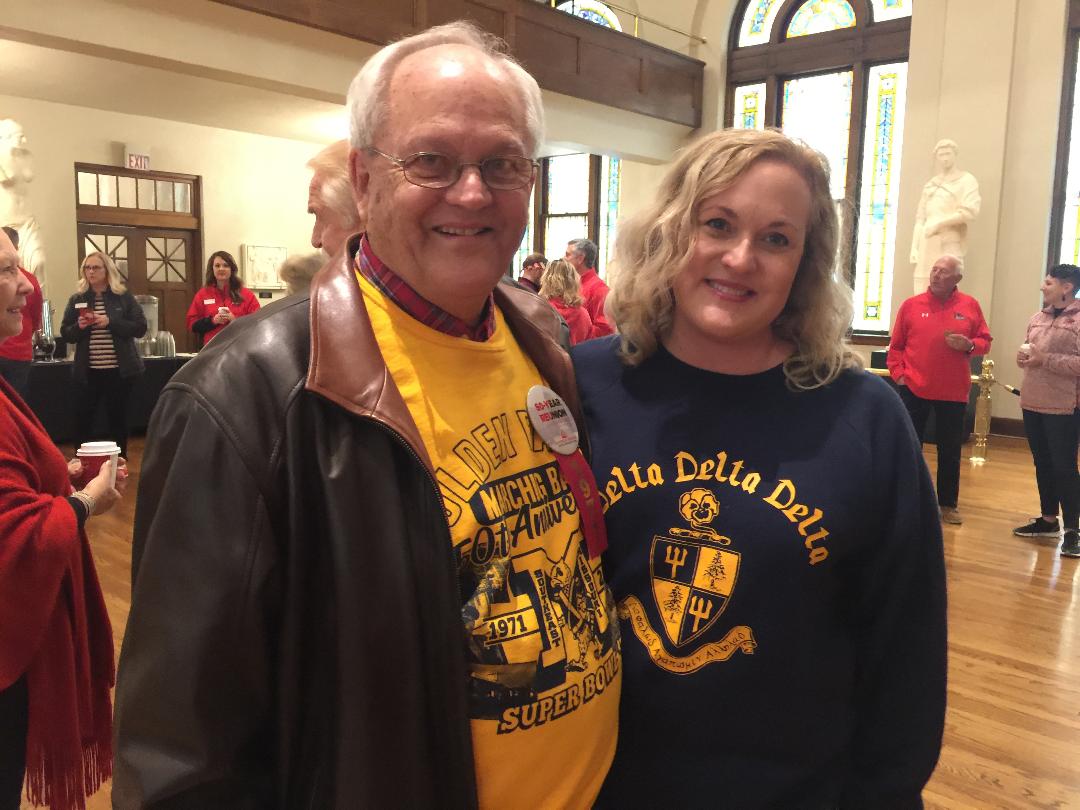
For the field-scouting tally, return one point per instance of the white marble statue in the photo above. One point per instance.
(16, 174)
(950, 200)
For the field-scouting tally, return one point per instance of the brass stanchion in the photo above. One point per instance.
(982, 411)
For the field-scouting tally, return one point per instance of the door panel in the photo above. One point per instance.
(172, 278)
(157, 262)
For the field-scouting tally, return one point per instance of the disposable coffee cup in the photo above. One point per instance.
(93, 455)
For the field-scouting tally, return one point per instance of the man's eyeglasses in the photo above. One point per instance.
(435, 170)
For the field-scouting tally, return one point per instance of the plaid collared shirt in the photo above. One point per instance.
(413, 303)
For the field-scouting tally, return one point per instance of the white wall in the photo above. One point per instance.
(254, 187)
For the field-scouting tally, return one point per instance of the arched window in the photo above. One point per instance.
(1065, 213)
(593, 11)
(833, 73)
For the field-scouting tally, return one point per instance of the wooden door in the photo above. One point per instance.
(153, 261)
(172, 278)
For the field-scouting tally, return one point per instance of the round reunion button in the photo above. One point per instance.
(552, 420)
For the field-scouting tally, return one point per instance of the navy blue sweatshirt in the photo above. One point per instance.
(777, 559)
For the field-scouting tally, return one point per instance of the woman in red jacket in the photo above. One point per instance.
(56, 651)
(222, 300)
(561, 287)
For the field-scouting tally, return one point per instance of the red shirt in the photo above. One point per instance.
(207, 300)
(21, 347)
(918, 353)
(577, 318)
(594, 291)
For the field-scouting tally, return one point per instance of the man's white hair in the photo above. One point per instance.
(958, 261)
(332, 184)
(367, 93)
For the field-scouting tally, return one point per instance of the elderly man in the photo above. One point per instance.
(582, 254)
(330, 199)
(531, 270)
(366, 565)
(933, 339)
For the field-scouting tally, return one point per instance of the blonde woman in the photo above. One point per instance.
(774, 543)
(561, 287)
(103, 320)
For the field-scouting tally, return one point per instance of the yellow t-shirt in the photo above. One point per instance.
(540, 630)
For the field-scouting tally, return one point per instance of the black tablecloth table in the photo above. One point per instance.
(52, 396)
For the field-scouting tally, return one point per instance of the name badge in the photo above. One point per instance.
(552, 420)
(81, 305)
(554, 423)
(209, 301)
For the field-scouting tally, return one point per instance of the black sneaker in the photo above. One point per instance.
(1071, 546)
(1039, 527)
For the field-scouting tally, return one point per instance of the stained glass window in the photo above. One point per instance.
(1070, 225)
(817, 110)
(610, 177)
(525, 248)
(579, 198)
(593, 11)
(566, 213)
(891, 9)
(875, 247)
(815, 104)
(561, 230)
(750, 106)
(757, 22)
(819, 16)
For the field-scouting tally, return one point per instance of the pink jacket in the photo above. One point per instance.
(1053, 387)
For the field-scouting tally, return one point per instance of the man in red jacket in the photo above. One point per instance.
(582, 253)
(934, 336)
(17, 353)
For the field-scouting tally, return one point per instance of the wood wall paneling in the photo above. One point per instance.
(495, 16)
(537, 45)
(564, 53)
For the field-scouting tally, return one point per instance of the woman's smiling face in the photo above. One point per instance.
(748, 247)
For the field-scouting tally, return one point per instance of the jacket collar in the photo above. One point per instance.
(1072, 308)
(347, 366)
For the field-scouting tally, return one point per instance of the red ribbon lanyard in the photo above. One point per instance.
(579, 476)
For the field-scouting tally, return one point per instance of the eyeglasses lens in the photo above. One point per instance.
(433, 170)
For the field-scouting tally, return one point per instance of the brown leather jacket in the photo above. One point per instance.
(295, 637)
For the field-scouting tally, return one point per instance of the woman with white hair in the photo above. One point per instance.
(774, 543)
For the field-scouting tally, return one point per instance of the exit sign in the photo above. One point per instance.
(137, 159)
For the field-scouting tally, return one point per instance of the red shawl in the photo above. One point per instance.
(53, 624)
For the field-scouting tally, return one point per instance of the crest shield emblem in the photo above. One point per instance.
(692, 581)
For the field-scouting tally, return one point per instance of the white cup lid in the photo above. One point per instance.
(97, 449)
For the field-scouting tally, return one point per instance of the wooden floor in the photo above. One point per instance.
(1012, 737)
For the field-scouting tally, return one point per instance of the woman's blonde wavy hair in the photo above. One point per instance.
(112, 274)
(560, 280)
(654, 246)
